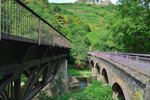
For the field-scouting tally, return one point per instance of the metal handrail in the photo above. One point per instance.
(138, 62)
(19, 20)
(146, 56)
(25, 6)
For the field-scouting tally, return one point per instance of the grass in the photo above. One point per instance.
(23, 78)
(78, 72)
(95, 91)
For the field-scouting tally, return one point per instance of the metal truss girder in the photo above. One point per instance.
(32, 80)
(31, 63)
(36, 63)
(9, 73)
(48, 70)
(44, 60)
(9, 68)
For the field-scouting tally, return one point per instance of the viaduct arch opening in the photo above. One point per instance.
(98, 68)
(117, 92)
(104, 74)
(92, 63)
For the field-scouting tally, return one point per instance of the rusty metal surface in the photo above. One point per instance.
(26, 68)
(19, 21)
(31, 51)
(137, 62)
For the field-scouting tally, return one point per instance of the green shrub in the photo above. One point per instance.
(78, 72)
(56, 9)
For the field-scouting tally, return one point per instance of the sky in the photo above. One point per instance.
(68, 1)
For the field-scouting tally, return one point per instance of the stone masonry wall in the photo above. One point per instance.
(132, 88)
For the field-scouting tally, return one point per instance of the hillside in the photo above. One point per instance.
(96, 17)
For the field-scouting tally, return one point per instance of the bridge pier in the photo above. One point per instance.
(64, 76)
(99, 78)
(94, 73)
(99, 74)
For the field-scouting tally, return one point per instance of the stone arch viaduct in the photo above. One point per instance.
(127, 74)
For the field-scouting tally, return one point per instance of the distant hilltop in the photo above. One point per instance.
(97, 2)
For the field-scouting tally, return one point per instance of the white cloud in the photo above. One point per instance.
(71, 1)
(61, 1)
(114, 1)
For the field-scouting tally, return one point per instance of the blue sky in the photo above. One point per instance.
(66, 1)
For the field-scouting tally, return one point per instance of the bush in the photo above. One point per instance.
(78, 72)
(56, 9)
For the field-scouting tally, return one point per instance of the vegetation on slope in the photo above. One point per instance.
(78, 72)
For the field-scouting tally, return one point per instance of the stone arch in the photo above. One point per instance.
(105, 76)
(92, 63)
(98, 68)
(118, 92)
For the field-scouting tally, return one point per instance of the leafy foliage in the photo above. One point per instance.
(78, 72)
(131, 26)
(56, 9)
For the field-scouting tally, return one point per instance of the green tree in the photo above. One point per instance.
(56, 9)
(131, 27)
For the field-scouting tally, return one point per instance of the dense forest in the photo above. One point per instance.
(124, 27)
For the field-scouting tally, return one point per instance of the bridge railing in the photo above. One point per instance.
(137, 62)
(20, 22)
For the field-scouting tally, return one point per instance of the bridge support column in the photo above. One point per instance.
(99, 77)
(94, 73)
(64, 73)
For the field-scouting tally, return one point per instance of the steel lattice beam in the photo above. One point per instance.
(38, 65)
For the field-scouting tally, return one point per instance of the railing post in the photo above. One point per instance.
(39, 36)
(0, 18)
(130, 61)
(137, 61)
(53, 37)
(127, 58)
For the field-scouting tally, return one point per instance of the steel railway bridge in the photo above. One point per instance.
(31, 51)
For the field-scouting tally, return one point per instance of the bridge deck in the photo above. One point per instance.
(139, 76)
(136, 62)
